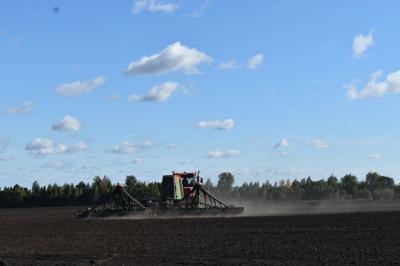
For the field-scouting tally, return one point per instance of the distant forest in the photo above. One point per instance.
(374, 187)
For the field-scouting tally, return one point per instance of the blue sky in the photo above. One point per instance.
(264, 89)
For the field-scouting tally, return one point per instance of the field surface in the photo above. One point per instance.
(49, 236)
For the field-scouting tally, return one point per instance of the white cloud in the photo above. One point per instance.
(176, 57)
(226, 124)
(158, 93)
(255, 61)
(319, 144)
(375, 156)
(376, 88)
(22, 109)
(153, 6)
(80, 87)
(123, 148)
(68, 123)
(361, 44)
(229, 65)
(282, 143)
(126, 147)
(222, 154)
(44, 146)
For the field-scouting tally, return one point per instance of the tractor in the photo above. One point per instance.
(182, 194)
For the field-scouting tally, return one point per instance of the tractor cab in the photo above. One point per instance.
(171, 189)
(188, 181)
(176, 187)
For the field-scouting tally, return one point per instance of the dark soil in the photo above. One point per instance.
(49, 236)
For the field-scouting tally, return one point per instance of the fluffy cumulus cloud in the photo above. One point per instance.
(80, 87)
(319, 144)
(229, 65)
(223, 154)
(158, 93)
(21, 109)
(127, 147)
(376, 86)
(68, 123)
(361, 43)
(44, 146)
(282, 143)
(256, 61)
(153, 6)
(226, 124)
(375, 156)
(176, 57)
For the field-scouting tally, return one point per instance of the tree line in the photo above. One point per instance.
(374, 187)
(349, 187)
(73, 195)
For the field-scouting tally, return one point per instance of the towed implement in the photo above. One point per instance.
(182, 194)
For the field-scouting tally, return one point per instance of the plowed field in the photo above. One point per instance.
(49, 236)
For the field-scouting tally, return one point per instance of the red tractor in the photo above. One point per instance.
(181, 194)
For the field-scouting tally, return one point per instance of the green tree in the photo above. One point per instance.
(333, 187)
(350, 184)
(375, 181)
(102, 187)
(35, 188)
(131, 184)
(225, 182)
(130, 181)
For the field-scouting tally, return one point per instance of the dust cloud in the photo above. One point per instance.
(271, 208)
(265, 208)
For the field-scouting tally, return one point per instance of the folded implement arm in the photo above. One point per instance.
(200, 201)
(120, 202)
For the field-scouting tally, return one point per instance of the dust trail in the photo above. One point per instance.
(265, 208)
(272, 208)
(164, 217)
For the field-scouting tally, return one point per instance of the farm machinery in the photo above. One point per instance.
(182, 194)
